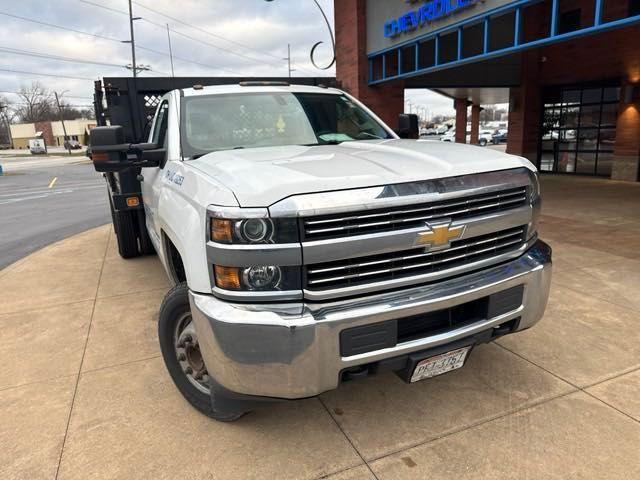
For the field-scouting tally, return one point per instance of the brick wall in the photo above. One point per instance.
(612, 55)
(352, 65)
(47, 132)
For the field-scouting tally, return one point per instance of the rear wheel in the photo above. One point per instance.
(182, 356)
(483, 142)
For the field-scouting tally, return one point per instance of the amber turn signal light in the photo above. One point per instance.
(133, 201)
(221, 230)
(227, 277)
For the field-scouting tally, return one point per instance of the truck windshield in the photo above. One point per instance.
(224, 122)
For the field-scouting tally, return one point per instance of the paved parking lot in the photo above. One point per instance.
(84, 393)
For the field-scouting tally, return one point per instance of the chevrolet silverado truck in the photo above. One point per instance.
(309, 245)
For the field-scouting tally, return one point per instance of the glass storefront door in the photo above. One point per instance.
(579, 129)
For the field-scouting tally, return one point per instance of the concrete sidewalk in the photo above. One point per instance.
(84, 393)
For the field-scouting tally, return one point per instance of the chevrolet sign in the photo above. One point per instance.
(431, 10)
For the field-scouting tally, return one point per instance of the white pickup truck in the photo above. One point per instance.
(309, 245)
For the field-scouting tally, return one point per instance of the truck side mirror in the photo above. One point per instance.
(108, 148)
(110, 152)
(408, 126)
(149, 154)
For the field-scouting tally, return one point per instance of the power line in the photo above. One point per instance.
(111, 39)
(121, 12)
(59, 58)
(45, 94)
(60, 27)
(46, 74)
(31, 53)
(177, 20)
(157, 52)
(103, 37)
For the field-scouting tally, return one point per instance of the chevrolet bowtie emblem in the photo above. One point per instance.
(439, 236)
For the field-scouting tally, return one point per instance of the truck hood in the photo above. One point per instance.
(259, 177)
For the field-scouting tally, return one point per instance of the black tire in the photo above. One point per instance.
(125, 228)
(174, 307)
(483, 142)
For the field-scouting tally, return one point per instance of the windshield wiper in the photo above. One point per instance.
(198, 155)
(370, 135)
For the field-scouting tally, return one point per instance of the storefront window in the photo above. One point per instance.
(578, 129)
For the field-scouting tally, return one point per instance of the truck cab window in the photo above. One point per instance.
(159, 133)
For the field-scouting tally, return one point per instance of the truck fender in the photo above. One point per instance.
(182, 223)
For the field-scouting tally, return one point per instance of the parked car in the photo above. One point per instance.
(72, 144)
(449, 136)
(499, 137)
(283, 215)
(484, 137)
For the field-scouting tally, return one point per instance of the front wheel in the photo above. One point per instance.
(181, 353)
(483, 142)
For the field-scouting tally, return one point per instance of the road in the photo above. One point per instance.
(35, 210)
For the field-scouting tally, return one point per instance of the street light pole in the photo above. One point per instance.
(64, 129)
(333, 40)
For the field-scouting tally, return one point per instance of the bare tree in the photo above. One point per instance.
(70, 112)
(36, 104)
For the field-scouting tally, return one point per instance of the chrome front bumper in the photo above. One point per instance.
(293, 350)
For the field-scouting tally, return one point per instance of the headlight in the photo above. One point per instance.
(254, 256)
(255, 230)
(257, 278)
(251, 225)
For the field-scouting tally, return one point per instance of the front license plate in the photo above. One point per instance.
(443, 363)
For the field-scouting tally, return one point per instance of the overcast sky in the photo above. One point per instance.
(231, 37)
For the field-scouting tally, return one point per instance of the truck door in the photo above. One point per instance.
(151, 183)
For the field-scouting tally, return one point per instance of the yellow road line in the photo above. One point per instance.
(53, 182)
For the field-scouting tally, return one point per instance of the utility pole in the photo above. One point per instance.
(171, 52)
(133, 42)
(288, 59)
(64, 129)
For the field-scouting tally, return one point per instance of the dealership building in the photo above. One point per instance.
(568, 69)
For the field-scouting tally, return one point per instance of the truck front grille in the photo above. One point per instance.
(407, 263)
(324, 227)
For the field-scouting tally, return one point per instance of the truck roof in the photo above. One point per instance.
(250, 87)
